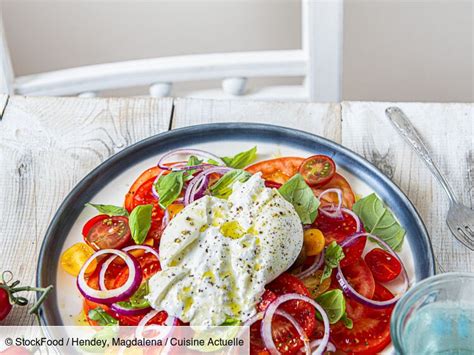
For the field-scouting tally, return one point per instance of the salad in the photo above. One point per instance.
(284, 246)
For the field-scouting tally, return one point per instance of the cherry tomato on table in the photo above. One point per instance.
(5, 305)
(278, 170)
(104, 232)
(384, 266)
(317, 170)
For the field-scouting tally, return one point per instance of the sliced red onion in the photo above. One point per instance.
(118, 294)
(153, 188)
(329, 346)
(198, 185)
(163, 330)
(318, 262)
(351, 292)
(332, 211)
(117, 308)
(266, 328)
(107, 263)
(299, 329)
(356, 218)
(166, 219)
(197, 152)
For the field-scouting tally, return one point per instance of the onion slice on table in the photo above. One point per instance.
(197, 152)
(118, 294)
(318, 262)
(351, 292)
(266, 328)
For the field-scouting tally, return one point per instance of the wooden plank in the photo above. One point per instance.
(448, 131)
(321, 119)
(46, 146)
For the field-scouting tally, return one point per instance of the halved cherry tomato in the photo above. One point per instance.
(384, 266)
(286, 338)
(278, 170)
(370, 333)
(76, 256)
(5, 305)
(360, 277)
(337, 181)
(104, 232)
(317, 170)
(338, 230)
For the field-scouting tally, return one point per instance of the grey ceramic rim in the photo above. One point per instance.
(83, 192)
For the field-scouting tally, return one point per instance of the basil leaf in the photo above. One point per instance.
(347, 321)
(101, 317)
(332, 257)
(138, 300)
(334, 304)
(300, 195)
(232, 322)
(380, 221)
(169, 187)
(242, 159)
(222, 188)
(110, 210)
(193, 160)
(140, 222)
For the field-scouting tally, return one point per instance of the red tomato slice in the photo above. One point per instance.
(337, 181)
(318, 170)
(338, 230)
(286, 338)
(104, 232)
(278, 170)
(140, 194)
(149, 266)
(370, 333)
(360, 277)
(384, 266)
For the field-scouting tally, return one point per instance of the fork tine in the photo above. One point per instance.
(470, 231)
(464, 238)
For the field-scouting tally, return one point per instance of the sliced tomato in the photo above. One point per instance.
(104, 232)
(370, 333)
(360, 277)
(149, 266)
(317, 170)
(338, 230)
(384, 266)
(286, 338)
(140, 193)
(272, 184)
(278, 170)
(337, 181)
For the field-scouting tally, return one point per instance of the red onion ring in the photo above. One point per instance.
(266, 328)
(351, 292)
(168, 326)
(118, 294)
(166, 219)
(336, 210)
(196, 152)
(198, 185)
(117, 308)
(299, 329)
(329, 346)
(318, 262)
(356, 218)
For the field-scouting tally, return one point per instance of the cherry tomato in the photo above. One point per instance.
(140, 193)
(338, 230)
(76, 256)
(384, 266)
(360, 278)
(104, 232)
(278, 170)
(370, 333)
(317, 170)
(286, 338)
(337, 181)
(5, 305)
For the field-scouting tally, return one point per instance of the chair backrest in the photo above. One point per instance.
(319, 61)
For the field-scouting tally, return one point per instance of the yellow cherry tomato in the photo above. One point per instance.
(76, 256)
(313, 241)
(174, 209)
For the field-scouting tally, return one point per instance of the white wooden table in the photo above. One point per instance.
(48, 144)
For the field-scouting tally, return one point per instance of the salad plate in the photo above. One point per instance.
(115, 179)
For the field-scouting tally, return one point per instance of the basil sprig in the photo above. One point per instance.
(222, 188)
(332, 257)
(241, 160)
(299, 194)
(334, 304)
(110, 210)
(169, 187)
(140, 222)
(380, 221)
(138, 300)
(101, 317)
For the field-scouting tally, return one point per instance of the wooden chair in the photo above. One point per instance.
(319, 62)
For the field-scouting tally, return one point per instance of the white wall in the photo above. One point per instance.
(394, 50)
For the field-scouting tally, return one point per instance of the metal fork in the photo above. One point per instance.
(460, 219)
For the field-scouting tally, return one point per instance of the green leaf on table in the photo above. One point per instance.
(140, 222)
(380, 221)
(334, 304)
(222, 188)
(241, 160)
(110, 210)
(299, 194)
(169, 187)
(101, 317)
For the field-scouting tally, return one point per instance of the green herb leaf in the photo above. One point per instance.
(193, 160)
(334, 304)
(242, 159)
(380, 221)
(140, 222)
(169, 187)
(101, 317)
(110, 210)
(138, 300)
(300, 195)
(222, 188)
(232, 322)
(347, 321)
(332, 257)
